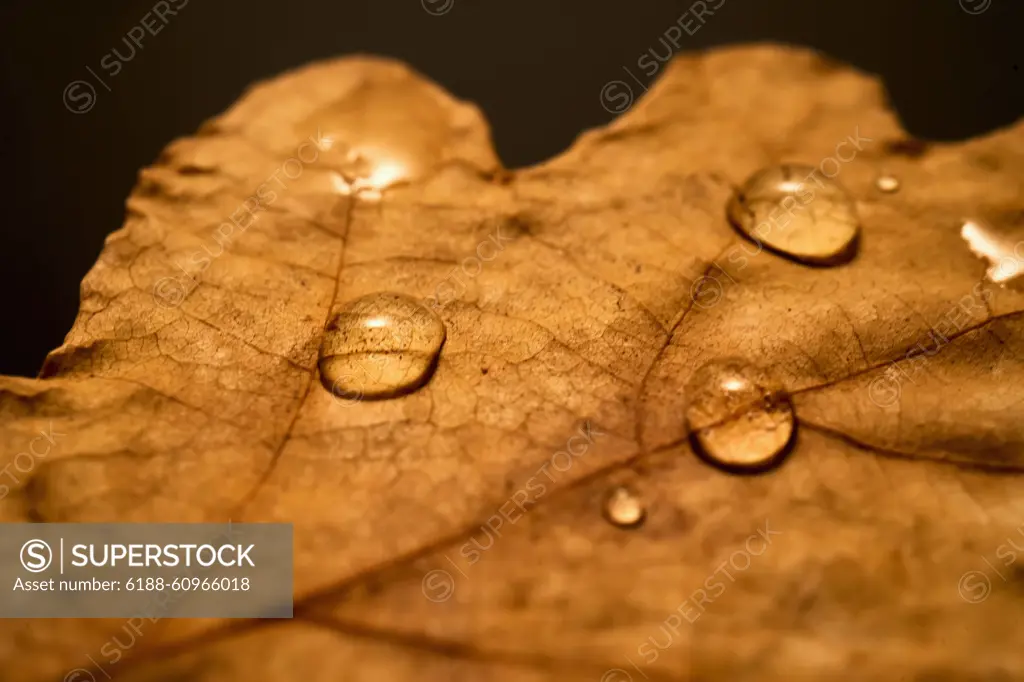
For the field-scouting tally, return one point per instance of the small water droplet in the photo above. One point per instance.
(379, 135)
(1003, 250)
(797, 212)
(379, 346)
(887, 183)
(623, 508)
(737, 418)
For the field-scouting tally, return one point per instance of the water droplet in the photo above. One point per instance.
(379, 346)
(887, 183)
(736, 417)
(1003, 250)
(798, 212)
(624, 509)
(379, 135)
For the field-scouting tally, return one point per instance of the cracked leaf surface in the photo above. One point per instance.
(579, 297)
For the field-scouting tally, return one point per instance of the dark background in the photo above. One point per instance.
(536, 67)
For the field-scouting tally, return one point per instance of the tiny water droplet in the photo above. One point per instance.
(623, 508)
(379, 346)
(1003, 250)
(737, 418)
(797, 212)
(887, 183)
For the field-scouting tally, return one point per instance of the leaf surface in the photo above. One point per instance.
(457, 532)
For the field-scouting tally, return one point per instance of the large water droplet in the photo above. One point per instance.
(381, 134)
(379, 346)
(797, 212)
(736, 417)
(623, 508)
(1001, 248)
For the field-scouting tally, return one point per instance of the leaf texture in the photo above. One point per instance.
(578, 297)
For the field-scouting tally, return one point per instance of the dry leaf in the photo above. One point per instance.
(456, 533)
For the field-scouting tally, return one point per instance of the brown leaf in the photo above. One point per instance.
(457, 532)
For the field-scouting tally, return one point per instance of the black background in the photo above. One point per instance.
(536, 67)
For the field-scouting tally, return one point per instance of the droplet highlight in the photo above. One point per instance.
(1003, 250)
(379, 346)
(381, 134)
(797, 212)
(888, 184)
(624, 508)
(737, 418)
